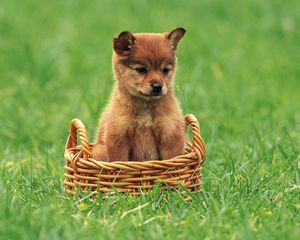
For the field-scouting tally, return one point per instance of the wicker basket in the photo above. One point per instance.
(132, 177)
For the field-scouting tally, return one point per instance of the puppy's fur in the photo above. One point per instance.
(137, 124)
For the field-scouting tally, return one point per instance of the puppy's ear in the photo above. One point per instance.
(123, 43)
(174, 37)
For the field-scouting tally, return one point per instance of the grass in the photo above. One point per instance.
(238, 72)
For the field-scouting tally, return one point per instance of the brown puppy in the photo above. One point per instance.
(143, 120)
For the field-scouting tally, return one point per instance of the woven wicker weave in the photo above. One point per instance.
(133, 177)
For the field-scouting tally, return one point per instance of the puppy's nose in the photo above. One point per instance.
(156, 88)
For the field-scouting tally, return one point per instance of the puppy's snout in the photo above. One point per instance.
(156, 88)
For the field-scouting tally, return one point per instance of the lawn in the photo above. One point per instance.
(238, 72)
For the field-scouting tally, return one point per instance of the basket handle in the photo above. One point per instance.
(198, 144)
(78, 127)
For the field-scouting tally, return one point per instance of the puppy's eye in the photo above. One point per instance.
(166, 71)
(141, 70)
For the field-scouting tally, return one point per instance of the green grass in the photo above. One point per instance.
(238, 72)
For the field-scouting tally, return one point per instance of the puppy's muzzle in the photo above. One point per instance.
(156, 89)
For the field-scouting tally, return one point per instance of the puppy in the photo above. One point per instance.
(143, 120)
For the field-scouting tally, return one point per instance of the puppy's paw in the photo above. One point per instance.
(99, 153)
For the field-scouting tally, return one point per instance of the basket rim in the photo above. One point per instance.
(196, 151)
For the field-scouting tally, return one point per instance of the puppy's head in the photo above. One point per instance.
(144, 63)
